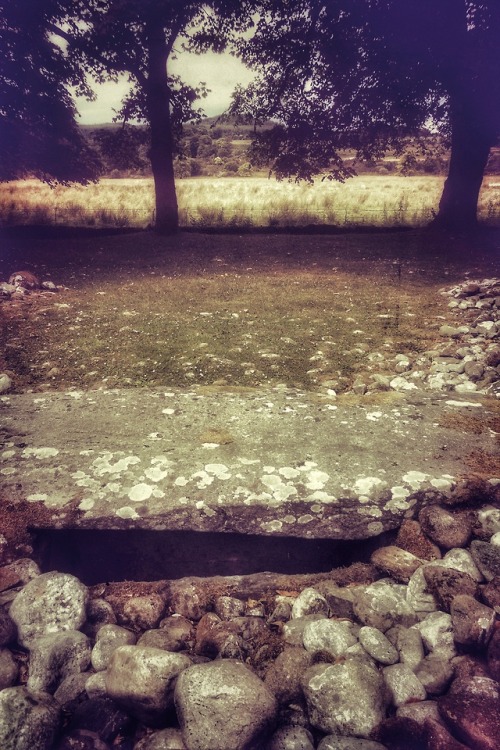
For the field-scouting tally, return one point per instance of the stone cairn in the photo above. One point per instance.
(402, 652)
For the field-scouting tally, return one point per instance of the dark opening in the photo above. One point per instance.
(140, 555)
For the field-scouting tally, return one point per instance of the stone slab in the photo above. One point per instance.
(279, 462)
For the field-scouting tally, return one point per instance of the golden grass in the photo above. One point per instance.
(368, 200)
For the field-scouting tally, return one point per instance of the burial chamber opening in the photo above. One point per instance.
(98, 556)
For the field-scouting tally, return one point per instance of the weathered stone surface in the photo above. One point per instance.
(487, 522)
(293, 631)
(108, 639)
(410, 646)
(188, 601)
(340, 600)
(401, 733)
(95, 686)
(383, 605)
(435, 673)
(445, 528)
(291, 738)
(27, 723)
(216, 637)
(50, 603)
(227, 607)
(330, 637)
(437, 634)
(403, 685)
(438, 737)
(472, 621)
(487, 558)
(461, 560)
(143, 680)
(223, 706)
(18, 573)
(396, 562)
(377, 645)
(490, 594)
(494, 655)
(55, 657)
(419, 712)
(143, 612)
(346, 698)
(475, 721)
(8, 669)
(476, 686)
(334, 742)
(99, 613)
(284, 675)
(80, 739)
(419, 596)
(163, 739)
(446, 583)
(7, 628)
(101, 716)
(309, 602)
(72, 691)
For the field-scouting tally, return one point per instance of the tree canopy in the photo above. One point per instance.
(38, 131)
(366, 75)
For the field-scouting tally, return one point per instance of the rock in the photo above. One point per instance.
(215, 637)
(403, 685)
(99, 613)
(72, 691)
(474, 721)
(18, 573)
(188, 601)
(419, 712)
(223, 706)
(101, 716)
(80, 739)
(164, 739)
(8, 669)
(401, 733)
(282, 611)
(461, 559)
(437, 634)
(377, 645)
(347, 698)
(5, 382)
(419, 596)
(435, 673)
(476, 686)
(494, 655)
(334, 742)
(24, 279)
(284, 674)
(108, 639)
(7, 628)
(26, 722)
(487, 558)
(227, 607)
(6, 290)
(438, 737)
(291, 738)
(410, 647)
(142, 680)
(340, 600)
(396, 562)
(472, 621)
(96, 685)
(309, 602)
(446, 529)
(52, 602)
(474, 370)
(293, 631)
(55, 657)
(383, 605)
(329, 637)
(143, 612)
(412, 539)
(487, 522)
(446, 583)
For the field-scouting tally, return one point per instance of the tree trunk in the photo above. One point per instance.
(470, 149)
(162, 145)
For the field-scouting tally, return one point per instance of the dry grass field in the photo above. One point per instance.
(368, 200)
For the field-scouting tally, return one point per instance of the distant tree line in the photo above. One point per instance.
(344, 82)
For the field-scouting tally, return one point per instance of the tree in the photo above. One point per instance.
(38, 132)
(370, 74)
(137, 37)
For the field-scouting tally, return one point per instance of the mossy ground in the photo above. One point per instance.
(251, 310)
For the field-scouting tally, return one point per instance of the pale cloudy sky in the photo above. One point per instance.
(221, 73)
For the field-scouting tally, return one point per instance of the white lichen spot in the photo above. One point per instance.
(156, 474)
(154, 436)
(399, 493)
(317, 479)
(248, 461)
(7, 472)
(305, 518)
(38, 497)
(158, 493)
(373, 416)
(140, 492)
(199, 504)
(289, 472)
(316, 508)
(271, 525)
(210, 446)
(440, 483)
(463, 404)
(40, 452)
(113, 487)
(375, 528)
(323, 497)
(366, 486)
(7, 454)
(415, 478)
(205, 480)
(79, 475)
(168, 411)
(269, 469)
(289, 518)
(218, 470)
(307, 466)
(126, 512)
(103, 465)
(87, 504)
(271, 480)
(181, 482)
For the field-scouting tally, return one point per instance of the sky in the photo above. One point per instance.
(221, 73)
